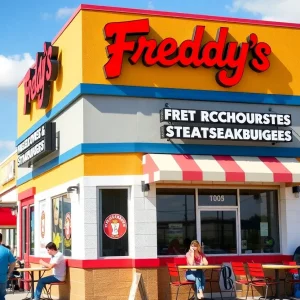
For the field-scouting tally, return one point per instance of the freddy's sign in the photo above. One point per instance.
(230, 58)
(37, 82)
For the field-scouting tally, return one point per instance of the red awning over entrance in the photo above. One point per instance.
(6, 218)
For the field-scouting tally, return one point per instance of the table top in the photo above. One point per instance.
(32, 269)
(201, 267)
(280, 267)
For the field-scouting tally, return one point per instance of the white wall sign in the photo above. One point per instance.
(210, 130)
(43, 219)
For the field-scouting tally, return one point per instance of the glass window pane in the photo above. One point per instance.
(24, 231)
(259, 221)
(31, 233)
(67, 243)
(57, 223)
(218, 232)
(113, 202)
(217, 197)
(176, 220)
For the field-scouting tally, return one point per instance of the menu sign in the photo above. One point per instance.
(182, 124)
(39, 144)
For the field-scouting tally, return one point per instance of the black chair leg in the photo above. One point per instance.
(266, 292)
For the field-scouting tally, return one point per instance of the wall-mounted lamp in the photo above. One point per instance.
(72, 189)
(145, 186)
(14, 210)
(296, 191)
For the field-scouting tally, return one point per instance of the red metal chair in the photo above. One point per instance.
(258, 278)
(289, 274)
(176, 281)
(241, 276)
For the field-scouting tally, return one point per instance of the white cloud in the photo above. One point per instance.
(271, 10)
(150, 4)
(65, 12)
(12, 70)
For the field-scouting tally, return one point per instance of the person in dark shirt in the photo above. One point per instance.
(7, 262)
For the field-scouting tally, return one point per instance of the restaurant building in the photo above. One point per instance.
(8, 201)
(139, 131)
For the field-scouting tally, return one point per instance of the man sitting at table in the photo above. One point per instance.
(57, 263)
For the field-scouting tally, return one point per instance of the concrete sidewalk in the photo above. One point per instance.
(16, 296)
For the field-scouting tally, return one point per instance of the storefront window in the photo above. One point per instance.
(176, 220)
(221, 215)
(114, 222)
(31, 233)
(259, 221)
(61, 224)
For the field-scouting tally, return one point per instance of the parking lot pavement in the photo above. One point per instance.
(16, 296)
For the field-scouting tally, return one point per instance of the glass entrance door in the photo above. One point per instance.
(219, 231)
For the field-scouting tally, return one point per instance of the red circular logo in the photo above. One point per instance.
(68, 226)
(115, 226)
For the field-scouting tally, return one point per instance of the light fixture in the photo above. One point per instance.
(145, 186)
(296, 191)
(14, 210)
(73, 188)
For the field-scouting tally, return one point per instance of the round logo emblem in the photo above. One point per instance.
(115, 226)
(68, 226)
(43, 224)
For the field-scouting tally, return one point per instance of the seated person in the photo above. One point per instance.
(195, 257)
(57, 263)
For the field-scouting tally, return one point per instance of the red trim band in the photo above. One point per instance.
(114, 263)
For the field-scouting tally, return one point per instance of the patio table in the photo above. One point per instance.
(208, 267)
(277, 268)
(31, 274)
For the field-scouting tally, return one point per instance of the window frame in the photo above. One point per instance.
(100, 221)
(238, 214)
(61, 195)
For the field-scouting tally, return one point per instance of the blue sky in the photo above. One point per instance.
(25, 25)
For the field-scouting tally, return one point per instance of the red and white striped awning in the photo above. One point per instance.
(168, 167)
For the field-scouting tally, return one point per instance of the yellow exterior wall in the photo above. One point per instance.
(87, 165)
(70, 74)
(83, 55)
(113, 164)
(11, 183)
(63, 173)
(282, 77)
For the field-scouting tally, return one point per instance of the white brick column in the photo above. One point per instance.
(91, 226)
(289, 220)
(144, 232)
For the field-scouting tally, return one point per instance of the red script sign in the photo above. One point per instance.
(37, 82)
(229, 58)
